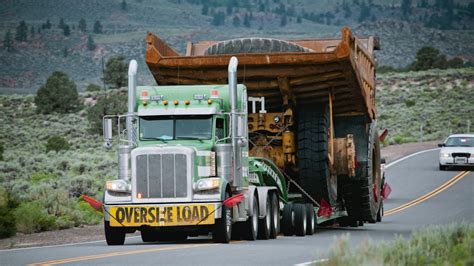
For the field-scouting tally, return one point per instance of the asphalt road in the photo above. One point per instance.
(410, 179)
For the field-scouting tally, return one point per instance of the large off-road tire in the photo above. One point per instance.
(250, 227)
(312, 154)
(300, 219)
(114, 236)
(362, 194)
(275, 208)
(222, 231)
(254, 45)
(288, 220)
(265, 224)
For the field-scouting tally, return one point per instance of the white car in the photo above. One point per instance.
(457, 150)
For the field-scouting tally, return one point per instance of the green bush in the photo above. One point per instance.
(57, 143)
(2, 149)
(31, 217)
(7, 220)
(111, 105)
(93, 87)
(42, 176)
(59, 94)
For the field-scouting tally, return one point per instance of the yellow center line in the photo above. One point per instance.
(428, 195)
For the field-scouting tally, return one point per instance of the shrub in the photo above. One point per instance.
(116, 72)
(57, 143)
(409, 102)
(2, 149)
(7, 220)
(59, 94)
(31, 217)
(111, 105)
(93, 87)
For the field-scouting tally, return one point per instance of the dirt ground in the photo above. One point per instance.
(94, 233)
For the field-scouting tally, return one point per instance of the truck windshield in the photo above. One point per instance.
(175, 127)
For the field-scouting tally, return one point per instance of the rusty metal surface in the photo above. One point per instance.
(345, 67)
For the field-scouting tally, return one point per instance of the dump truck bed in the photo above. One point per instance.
(344, 67)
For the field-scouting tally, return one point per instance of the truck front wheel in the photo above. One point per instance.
(115, 236)
(222, 232)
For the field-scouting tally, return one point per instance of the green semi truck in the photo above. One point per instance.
(200, 140)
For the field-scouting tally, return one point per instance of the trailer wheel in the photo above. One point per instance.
(312, 154)
(114, 236)
(265, 224)
(250, 227)
(288, 221)
(275, 208)
(254, 45)
(310, 219)
(222, 232)
(300, 219)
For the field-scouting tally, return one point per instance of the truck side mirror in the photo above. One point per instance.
(441, 145)
(383, 160)
(107, 131)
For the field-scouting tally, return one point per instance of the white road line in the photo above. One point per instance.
(409, 156)
(62, 245)
(311, 262)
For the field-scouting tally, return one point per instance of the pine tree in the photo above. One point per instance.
(247, 20)
(90, 43)
(236, 21)
(61, 24)
(82, 25)
(299, 20)
(283, 21)
(406, 8)
(65, 52)
(97, 27)
(32, 32)
(66, 30)
(59, 94)
(205, 10)
(8, 41)
(116, 72)
(48, 24)
(123, 5)
(21, 32)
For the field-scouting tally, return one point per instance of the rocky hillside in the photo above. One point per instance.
(402, 29)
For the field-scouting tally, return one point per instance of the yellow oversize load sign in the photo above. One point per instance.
(178, 215)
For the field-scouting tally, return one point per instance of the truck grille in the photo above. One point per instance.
(162, 175)
(461, 154)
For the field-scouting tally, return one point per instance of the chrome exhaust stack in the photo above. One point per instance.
(132, 87)
(234, 117)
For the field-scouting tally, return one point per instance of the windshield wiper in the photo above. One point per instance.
(190, 137)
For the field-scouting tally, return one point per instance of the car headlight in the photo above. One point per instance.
(445, 155)
(118, 185)
(207, 184)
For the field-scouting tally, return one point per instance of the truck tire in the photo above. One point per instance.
(114, 236)
(362, 195)
(222, 231)
(254, 45)
(310, 219)
(275, 209)
(312, 153)
(288, 220)
(300, 219)
(265, 224)
(250, 227)
(148, 236)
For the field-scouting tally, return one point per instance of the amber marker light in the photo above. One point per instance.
(139, 195)
(186, 102)
(165, 102)
(209, 101)
(176, 102)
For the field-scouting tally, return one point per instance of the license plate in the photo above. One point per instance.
(460, 160)
(176, 215)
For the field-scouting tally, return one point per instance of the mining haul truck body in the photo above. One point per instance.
(296, 143)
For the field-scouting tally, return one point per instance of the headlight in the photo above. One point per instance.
(207, 184)
(118, 186)
(444, 154)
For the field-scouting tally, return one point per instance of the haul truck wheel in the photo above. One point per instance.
(264, 225)
(310, 219)
(222, 232)
(312, 154)
(250, 227)
(300, 219)
(254, 45)
(288, 220)
(114, 236)
(275, 209)
(371, 193)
